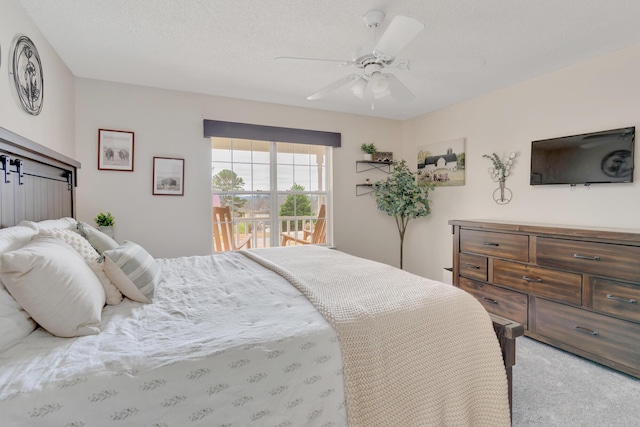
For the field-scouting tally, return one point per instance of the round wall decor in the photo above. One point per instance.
(27, 75)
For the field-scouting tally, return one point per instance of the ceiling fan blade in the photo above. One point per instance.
(398, 90)
(342, 62)
(333, 86)
(399, 34)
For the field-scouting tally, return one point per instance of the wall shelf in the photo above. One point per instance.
(366, 165)
(362, 189)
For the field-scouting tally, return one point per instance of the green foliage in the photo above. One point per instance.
(105, 219)
(501, 168)
(296, 204)
(402, 197)
(228, 180)
(462, 159)
(368, 148)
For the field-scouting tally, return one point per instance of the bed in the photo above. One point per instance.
(291, 336)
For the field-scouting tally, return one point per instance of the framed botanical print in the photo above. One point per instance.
(115, 150)
(168, 176)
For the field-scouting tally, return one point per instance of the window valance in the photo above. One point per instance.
(217, 128)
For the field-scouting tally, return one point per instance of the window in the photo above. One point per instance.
(275, 190)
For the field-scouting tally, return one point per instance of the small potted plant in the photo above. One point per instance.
(369, 151)
(105, 222)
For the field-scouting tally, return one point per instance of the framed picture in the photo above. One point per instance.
(168, 176)
(442, 164)
(115, 150)
(383, 156)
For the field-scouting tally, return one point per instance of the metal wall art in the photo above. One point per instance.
(499, 172)
(27, 75)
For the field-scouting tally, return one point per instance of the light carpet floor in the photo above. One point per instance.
(555, 388)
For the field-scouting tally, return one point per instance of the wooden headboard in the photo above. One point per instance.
(36, 183)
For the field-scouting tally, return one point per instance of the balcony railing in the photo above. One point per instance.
(260, 228)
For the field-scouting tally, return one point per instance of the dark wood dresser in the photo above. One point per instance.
(575, 288)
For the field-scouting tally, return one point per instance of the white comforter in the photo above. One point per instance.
(225, 343)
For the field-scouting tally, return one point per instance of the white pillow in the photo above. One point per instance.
(133, 270)
(100, 241)
(91, 256)
(54, 284)
(47, 224)
(15, 323)
(15, 237)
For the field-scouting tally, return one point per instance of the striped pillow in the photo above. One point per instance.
(133, 271)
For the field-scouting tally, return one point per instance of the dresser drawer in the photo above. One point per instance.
(616, 298)
(597, 334)
(501, 245)
(539, 281)
(505, 303)
(473, 266)
(603, 259)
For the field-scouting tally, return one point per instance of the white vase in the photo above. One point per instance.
(368, 157)
(106, 229)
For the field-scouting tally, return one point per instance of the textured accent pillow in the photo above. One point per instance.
(54, 284)
(91, 256)
(15, 323)
(133, 270)
(100, 241)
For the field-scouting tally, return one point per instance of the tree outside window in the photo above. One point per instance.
(228, 180)
(296, 204)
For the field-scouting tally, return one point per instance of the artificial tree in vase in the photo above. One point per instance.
(403, 197)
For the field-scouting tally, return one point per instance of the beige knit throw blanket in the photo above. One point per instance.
(416, 352)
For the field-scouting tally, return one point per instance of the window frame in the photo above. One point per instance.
(276, 195)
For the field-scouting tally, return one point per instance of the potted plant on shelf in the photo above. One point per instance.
(369, 151)
(402, 197)
(105, 222)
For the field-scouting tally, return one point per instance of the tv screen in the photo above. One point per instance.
(591, 158)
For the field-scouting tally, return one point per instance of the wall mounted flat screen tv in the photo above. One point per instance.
(591, 158)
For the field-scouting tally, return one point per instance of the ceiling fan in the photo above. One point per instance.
(370, 82)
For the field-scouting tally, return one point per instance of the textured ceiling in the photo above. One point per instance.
(227, 47)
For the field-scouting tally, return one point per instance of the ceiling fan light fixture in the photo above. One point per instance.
(382, 94)
(379, 83)
(359, 87)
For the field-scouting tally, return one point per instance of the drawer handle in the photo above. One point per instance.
(532, 279)
(492, 301)
(466, 264)
(628, 301)
(585, 330)
(590, 258)
(490, 244)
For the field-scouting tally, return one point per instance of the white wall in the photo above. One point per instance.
(596, 95)
(54, 126)
(600, 94)
(169, 124)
